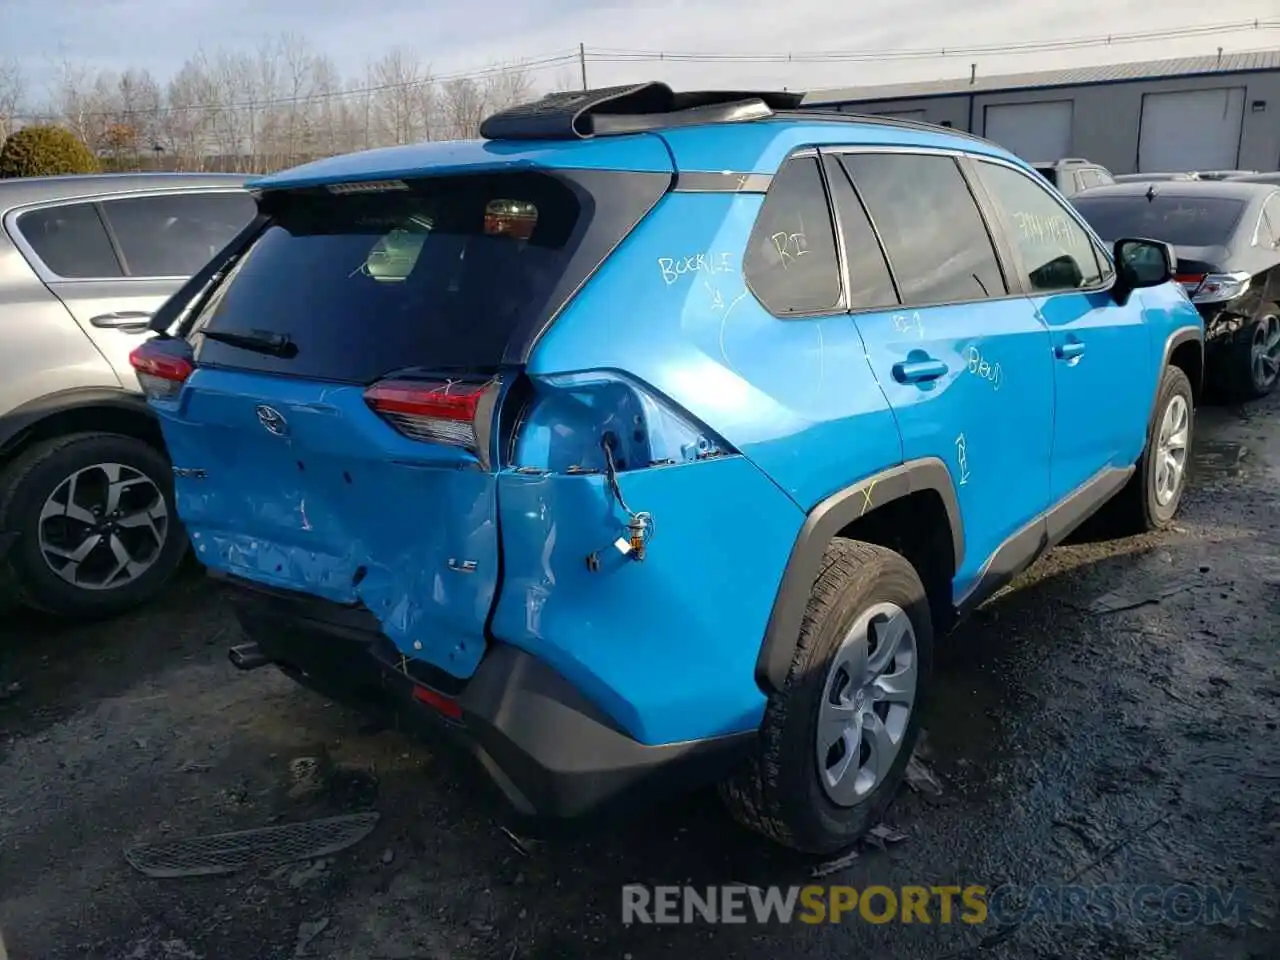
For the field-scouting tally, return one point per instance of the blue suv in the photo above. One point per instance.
(648, 441)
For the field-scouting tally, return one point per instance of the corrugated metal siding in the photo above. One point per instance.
(1110, 73)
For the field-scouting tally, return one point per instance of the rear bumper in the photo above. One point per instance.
(552, 753)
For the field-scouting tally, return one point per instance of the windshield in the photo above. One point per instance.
(1181, 221)
(436, 272)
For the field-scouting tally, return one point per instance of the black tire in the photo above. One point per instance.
(25, 485)
(779, 794)
(1243, 379)
(1137, 508)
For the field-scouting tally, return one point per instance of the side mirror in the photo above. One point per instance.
(1142, 263)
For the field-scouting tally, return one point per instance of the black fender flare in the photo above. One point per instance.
(826, 520)
(15, 424)
(1187, 334)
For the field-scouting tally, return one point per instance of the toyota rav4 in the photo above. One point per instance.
(650, 440)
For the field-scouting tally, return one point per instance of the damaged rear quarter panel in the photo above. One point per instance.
(666, 645)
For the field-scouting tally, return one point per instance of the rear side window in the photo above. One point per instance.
(790, 263)
(1056, 252)
(176, 235)
(870, 284)
(936, 240)
(71, 241)
(441, 274)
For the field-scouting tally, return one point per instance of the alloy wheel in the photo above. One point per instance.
(103, 527)
(866, 705)
(1171, 449)
(1264, 354)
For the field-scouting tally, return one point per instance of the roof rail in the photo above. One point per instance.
(634, 108)
(906, 123)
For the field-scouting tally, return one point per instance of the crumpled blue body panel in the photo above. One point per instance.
(343, 507)
(667, 645)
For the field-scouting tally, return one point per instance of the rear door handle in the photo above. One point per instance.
(919, 371)
(1070, 350)
(130, 321)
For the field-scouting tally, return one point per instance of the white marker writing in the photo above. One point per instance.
(962, 459)
(790, 247)
(980, 366)
(905, 324)
(673, 268)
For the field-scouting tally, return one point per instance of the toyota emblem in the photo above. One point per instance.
(273, 420)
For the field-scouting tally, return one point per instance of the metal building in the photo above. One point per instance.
(1193, 113)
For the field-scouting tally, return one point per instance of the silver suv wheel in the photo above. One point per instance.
(103, 526)
(866, 703)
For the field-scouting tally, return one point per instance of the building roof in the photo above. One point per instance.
(1109, 73)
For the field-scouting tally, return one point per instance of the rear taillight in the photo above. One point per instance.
(162, 366)
(449, 412)
(1218, 287)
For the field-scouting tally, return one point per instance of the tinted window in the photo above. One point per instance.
(1056, 253)
(936, 240)
(791, 263)
(1182, 221)
(438, 275)
(870, 284)
(174, 236)
(71, 241)
(1049, 173)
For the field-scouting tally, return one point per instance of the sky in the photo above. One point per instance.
(459, 37)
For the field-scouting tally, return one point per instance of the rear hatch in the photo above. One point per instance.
(333, 405)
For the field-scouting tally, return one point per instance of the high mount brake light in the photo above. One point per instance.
(161, 369)
(445, 412)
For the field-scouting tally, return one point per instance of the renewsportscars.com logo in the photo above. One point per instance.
(972, 904)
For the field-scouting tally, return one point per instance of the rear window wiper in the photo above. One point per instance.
(272, 344)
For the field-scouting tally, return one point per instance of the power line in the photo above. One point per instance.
(584, 55)
(624, 55)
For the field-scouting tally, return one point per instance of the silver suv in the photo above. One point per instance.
(87, 521)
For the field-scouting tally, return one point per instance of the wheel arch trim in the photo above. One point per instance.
(15, 424)
(821, 525)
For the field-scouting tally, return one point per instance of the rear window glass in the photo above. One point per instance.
(1182, 221)
(437, 275)
(1049, 173)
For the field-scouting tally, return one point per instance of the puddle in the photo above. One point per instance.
(1218, 459)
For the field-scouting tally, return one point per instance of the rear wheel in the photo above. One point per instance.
(1257, 355)
(96, 524)
(835, 743)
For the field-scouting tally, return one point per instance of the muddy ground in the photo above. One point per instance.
(1111, 720)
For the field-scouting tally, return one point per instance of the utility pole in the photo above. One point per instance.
(582, 62)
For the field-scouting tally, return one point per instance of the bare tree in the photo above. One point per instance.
(189, 118)
(278, 105)
(12, 90)
(508, 87)
(402, 104)
(464, 107)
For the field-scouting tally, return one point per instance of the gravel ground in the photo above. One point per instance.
(1109, 720)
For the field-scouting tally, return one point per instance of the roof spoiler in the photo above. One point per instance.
(634, 108)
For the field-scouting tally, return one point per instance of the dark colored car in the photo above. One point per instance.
(1152, 177)
(1226, 235)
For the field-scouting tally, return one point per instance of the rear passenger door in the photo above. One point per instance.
(1104, 386)
(114, 262)
(965, 361)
